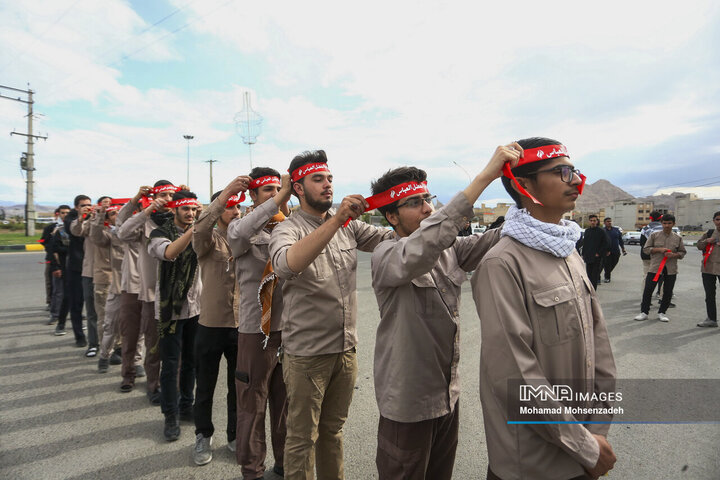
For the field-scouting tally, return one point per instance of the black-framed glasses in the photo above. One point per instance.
(417, 201)
(566, 172)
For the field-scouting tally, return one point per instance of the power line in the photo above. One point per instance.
(173, 32)
(104, 53)
(691, 181)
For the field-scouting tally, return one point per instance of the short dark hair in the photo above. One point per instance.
(80, 198)
(528, 169)
(63, 207)
(716, 214)
(259, 172)
(305, 158)
(655, 215)
(180, 194)
(668, 217)
(607, 218)
(215, 195)
(102, 198)
(394, 177)
(592, 215)
(162, 182)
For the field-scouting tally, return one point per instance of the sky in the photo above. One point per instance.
(631, 88)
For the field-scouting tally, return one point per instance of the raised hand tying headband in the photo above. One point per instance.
(393, 195)
(535, 155)
(300, 172)
(145, 200)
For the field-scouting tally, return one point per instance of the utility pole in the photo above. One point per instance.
(27, 163)
(211, 161)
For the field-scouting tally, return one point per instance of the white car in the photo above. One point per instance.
(630, 238)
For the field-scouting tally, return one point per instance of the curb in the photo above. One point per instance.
(23, 248)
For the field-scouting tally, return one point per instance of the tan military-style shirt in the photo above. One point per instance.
(219, 296)
(82, 229)
(191, 305)
(672, 242)
(541, 323)
(99, 235)
(249, 242)
(137, 229)
(417, 282)
(130, 275)
(320, 303)
(712, 266)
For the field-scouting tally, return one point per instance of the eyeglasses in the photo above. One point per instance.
(566, 172)
(417, 201)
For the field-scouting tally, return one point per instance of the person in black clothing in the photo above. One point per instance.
(466, 231)
(595, 245)
(497, 223)
(45, 239)
(57, 247)
(616, 244)
(73, 271)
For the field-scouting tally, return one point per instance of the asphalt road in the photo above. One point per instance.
(60, 419)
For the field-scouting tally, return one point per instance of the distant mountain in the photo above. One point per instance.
(600, 194)
(12, 209)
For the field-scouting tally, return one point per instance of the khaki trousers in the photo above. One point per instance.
(111, 325)
(101, 295)
(319, 390)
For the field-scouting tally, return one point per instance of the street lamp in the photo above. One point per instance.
(188, 138)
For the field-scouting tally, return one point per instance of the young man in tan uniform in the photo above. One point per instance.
(417, 277)
(541, 325)
(665, 248)
(177, 308)
(258, 375)
(216, 334)
(130, 306)
(107, 278)
(81, 228)
(137, 229)
(710, 270)
(317, 258)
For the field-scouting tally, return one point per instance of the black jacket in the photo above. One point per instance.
(76, 249)
(594, 241)
(57, 248)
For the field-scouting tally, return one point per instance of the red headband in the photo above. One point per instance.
(393, 195)
(183, 202)
(164, 188)
(300, 172)
(267, 180)
(234, 200)
(531, 155)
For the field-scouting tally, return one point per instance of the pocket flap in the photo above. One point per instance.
(553, 296)
(424, 281)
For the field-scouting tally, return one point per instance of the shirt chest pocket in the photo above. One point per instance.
(557, 314)
(425, 294)
(259, 247)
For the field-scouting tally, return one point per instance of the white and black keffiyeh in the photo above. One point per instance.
(556, 239)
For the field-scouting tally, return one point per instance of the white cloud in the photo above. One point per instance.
(430, 83)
